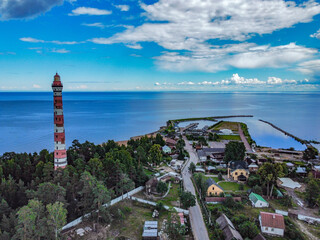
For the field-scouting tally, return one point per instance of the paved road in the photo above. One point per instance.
(244, 140)
(197, 223)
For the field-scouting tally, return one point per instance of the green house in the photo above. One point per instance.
(258, 201)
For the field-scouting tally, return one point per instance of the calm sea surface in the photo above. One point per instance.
(26, 119)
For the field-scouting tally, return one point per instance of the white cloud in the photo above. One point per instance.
(123, 8)
(279, 56)
(311, 68)
(316, 35)
(186, 83)
(188, 25)
(134, 46)
(36, 86)
(197, 21)
(243, 55)
(89, 11)
(60, 50)
(97, 24)
(236, 80)
(34, 40)
(277, 81)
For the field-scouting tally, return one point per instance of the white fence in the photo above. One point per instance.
(113, 201)
(186, 212)
(282, 212)
(308, 219)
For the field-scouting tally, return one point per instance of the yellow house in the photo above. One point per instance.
(213, 189)
(238, 171)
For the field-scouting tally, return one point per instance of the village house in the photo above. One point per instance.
(213, 189)
(253, 167)
(258, 201)
(316, 171)
(272, 223)
(301, 171)
(212, 154)
(229, 231)
(238, 171)
(151, 185)
(170, 142)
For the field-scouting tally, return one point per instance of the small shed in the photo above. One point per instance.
(150, 230)
(166, 149)
(258, 201)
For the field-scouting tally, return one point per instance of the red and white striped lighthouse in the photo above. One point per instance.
(60, 153)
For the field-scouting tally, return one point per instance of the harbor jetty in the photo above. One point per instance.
(302, 141)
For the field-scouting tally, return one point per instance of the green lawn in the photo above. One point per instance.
(230, 137)
(172, 196)
(148, 172)
(232, 186)
(216, 179)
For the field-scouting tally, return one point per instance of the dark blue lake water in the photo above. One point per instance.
(26, 119)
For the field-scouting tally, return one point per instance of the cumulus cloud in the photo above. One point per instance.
(236, 80)
(123, 8)
(17, 9)
(184, 22)
(316, 34)
(242, 55)
(34, 40)
(188, 25)
(276, 81)
(89, 11)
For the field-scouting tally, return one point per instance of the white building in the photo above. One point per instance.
(272, 223)
(258, 201)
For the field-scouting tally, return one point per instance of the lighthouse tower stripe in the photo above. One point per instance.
(60, 153)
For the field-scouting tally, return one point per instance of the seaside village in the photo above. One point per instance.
(244, 191)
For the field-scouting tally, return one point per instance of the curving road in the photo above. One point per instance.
(196, 219)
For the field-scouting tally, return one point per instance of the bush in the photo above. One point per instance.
(249, 229)
(159, 206)
(241, 187)
(257, 189)
(220, 176)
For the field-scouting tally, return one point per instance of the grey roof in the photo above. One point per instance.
(231, 234)
(201, 153)
(213, 150)
(223, 221)
(238, 165)
(150, 233)
(210, 181)
(229, 231)
(259, 237)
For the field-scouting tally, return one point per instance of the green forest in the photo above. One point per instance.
(36, 201)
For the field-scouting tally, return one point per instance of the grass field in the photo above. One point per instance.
(131, 226)
(172, 197)
(230, 137)
(227, 125)
(216, 179)
(232, 186)
(148, 172)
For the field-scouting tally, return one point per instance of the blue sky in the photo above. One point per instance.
(165, 45)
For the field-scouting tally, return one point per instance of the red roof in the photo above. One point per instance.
(272, 220)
